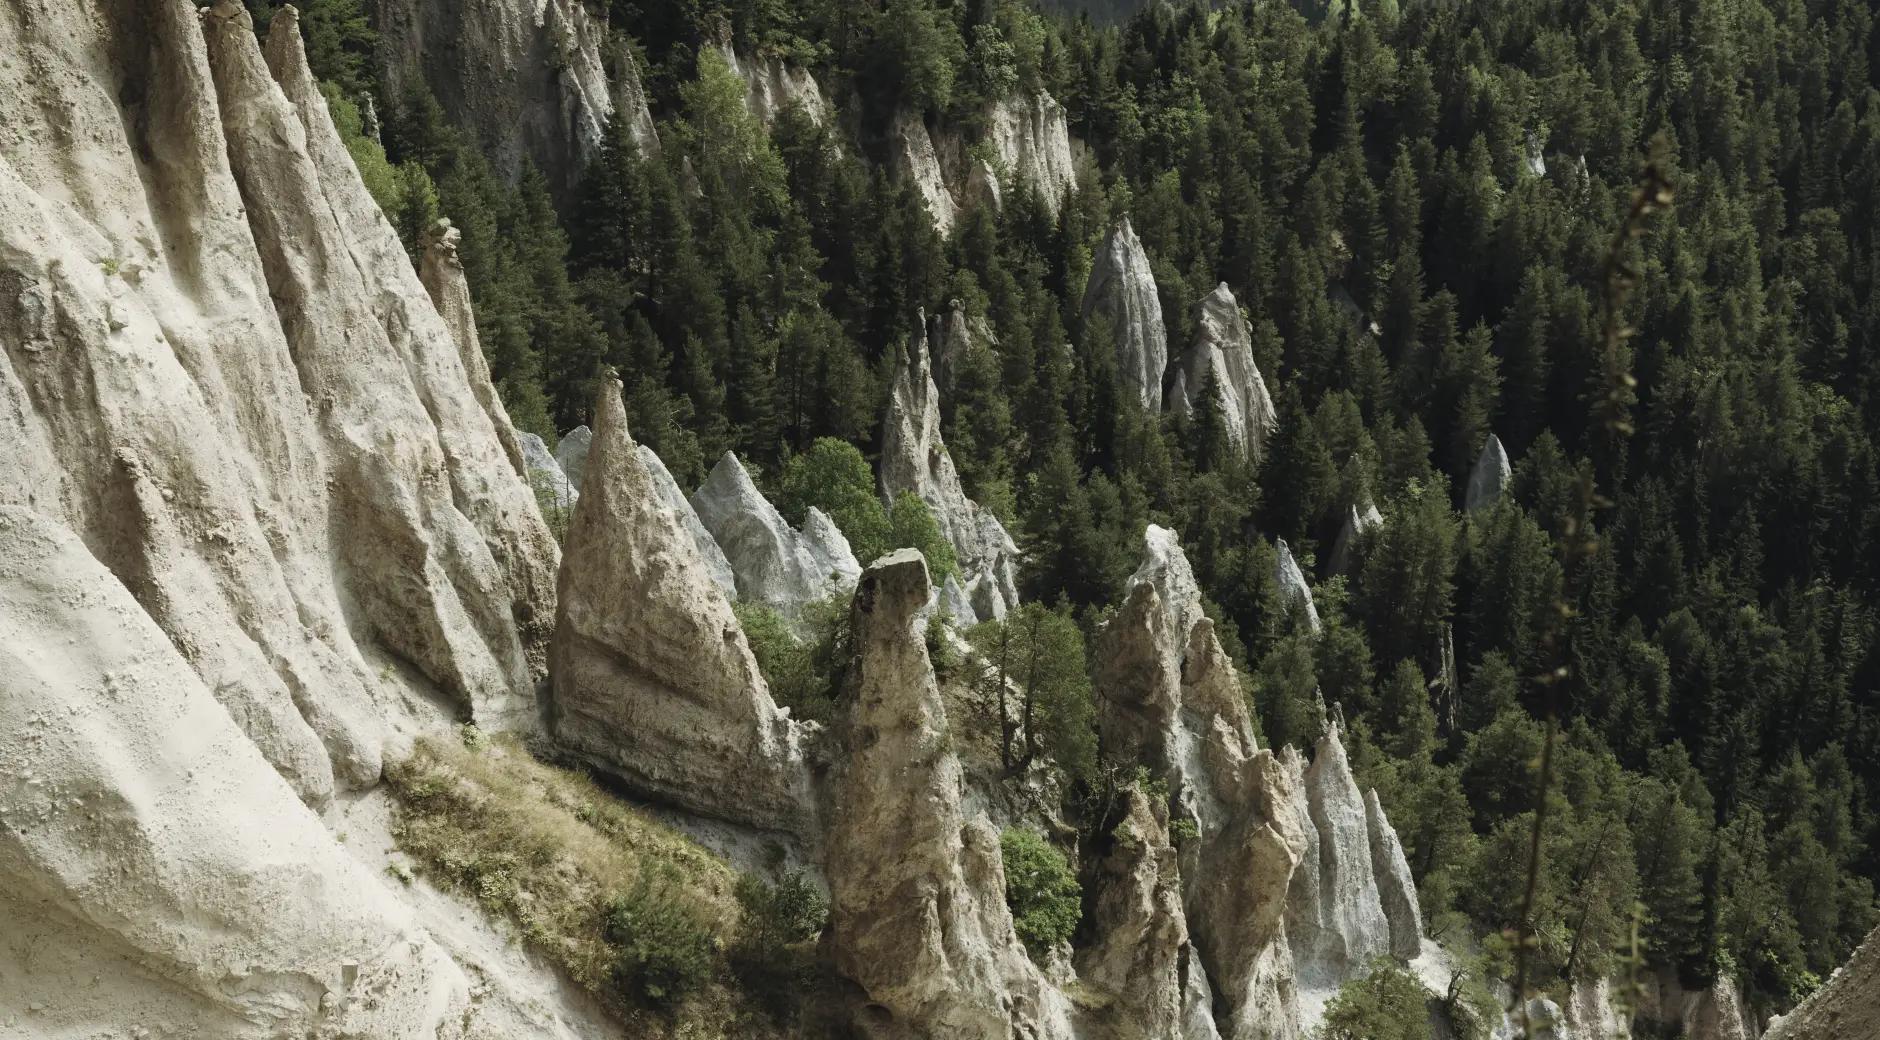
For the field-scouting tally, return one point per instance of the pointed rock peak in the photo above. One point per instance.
(441, 271)
(1122, 290)
(1490, 477)
(1294, 590)
(545, 474)
(653, 679)
(1359, 520)
(1165, 568)
(572, 453)
(1396, 889)
(774, 565)
(674, 500)
(1222, 357)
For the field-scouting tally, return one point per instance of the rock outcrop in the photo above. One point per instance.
(774, 565)
(441, 271)
(1490, 476)
(773, 86)
(629, 98)
(1846, 1008)
(672, 497)
(914, 460)
(1334, 914)
(1168, 697)
(1122, 291)
(1140, 959)
(175, 391)
(428, 511)
(914, 160)
(571, 453)
(1031, 145)
(529, 79)
(653, 680)
(1396, 889)
(158, 872)
(1295, 593)
(1358, 521)
(1221, 358)
(917, 918)
(544, 473)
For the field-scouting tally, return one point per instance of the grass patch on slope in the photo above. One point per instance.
(636, 913)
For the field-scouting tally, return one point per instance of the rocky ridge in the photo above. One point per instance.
(773, 564)
(914, 460)
(1221, 357)
(652, 679)
(1122, 291)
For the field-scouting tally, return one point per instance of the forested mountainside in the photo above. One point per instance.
(1411, 209)
(938, 519)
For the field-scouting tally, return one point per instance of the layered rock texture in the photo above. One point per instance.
(918, 919)
(1295, 593)
(772, 86)
(1024, 140)
(773, 564)
(914, 460)
(1335, 912)
(1122, 292)
(1220, 363)
(529, 78)
(674, 500)
(259, 524)
(1846, 1008)
(1170, 698)
(653, 680)
(1490, 476)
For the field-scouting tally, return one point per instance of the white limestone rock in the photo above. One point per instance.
(628, 92)
(571, 453)
(1169, 698)
(545, 473)
(444, 539)
(1358, 522)
(1122, 290)
(156, 869)
(773, 86)
(915, 160)
(1338, 926)
(441, 271)
(674, 500)
(1031, 145)
(960, 335)
(527, 77)
(1295, 593)
(1490, 477)
(1222, 357)
(914, 460)
(774, 565)
(918, 920)
(1396, 889)
(1533, 157)
(653, 681)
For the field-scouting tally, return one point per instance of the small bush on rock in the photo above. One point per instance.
(1044, 896)
(665, 950)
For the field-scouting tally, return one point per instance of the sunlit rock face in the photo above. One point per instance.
(653, 679)
(1122, 292)
(1490, 477)
(773, 563)
(1220, 362)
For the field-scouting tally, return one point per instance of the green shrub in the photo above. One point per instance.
(1044, 896)
(802, 665)
(665, 949)
(1387, 1004)
(833, 477)
(912, 525)
(774, 955)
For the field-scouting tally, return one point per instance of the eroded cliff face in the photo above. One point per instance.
(1222, 358)
(653, 680)
(1846, 1008)
(258, 526)
(773, 563)
(1122, 292)
(914, 460)
(528, 77)
(918, 918)
(1023, 140)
